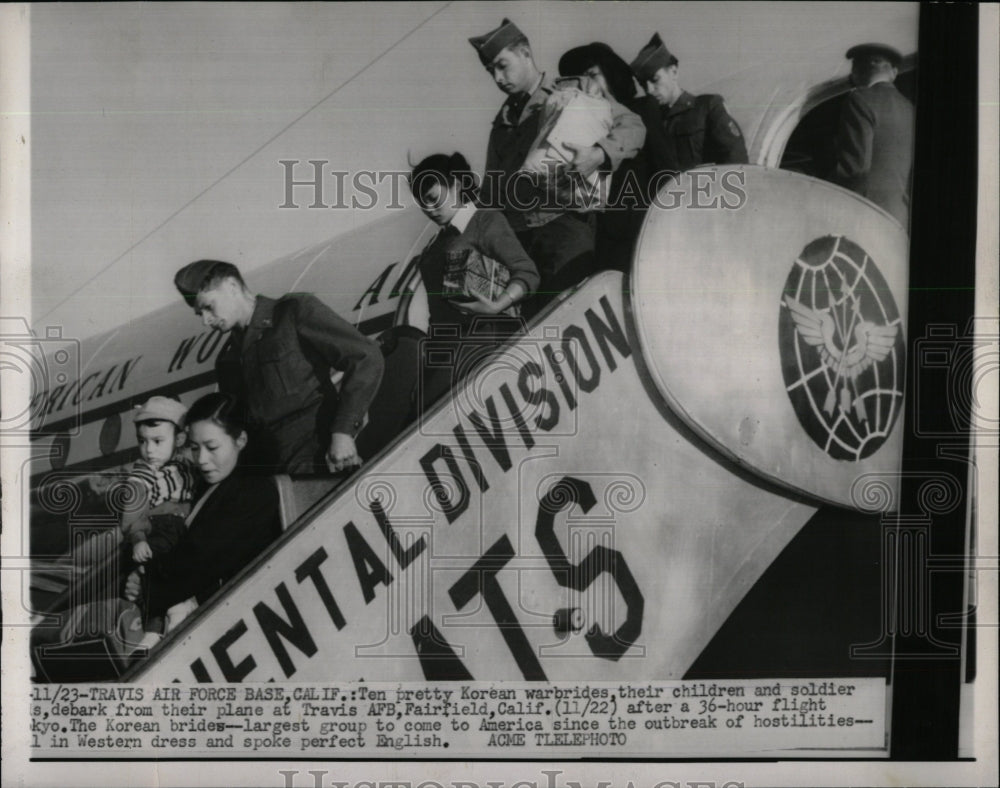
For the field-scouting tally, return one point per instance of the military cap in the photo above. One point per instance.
(193, 277)
(490, 45)
(161, 409)
(652, 58)
(880, 50)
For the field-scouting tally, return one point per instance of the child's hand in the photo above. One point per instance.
(142, 552)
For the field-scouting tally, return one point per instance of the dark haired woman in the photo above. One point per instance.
(444, 187)
(617, 226)
(234, 519)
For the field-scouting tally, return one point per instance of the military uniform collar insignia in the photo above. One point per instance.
(684, 102)
(263, 313)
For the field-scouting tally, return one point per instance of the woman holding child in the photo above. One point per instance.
(157, 492)
(470, 237)
(233, 520)
(628, 196)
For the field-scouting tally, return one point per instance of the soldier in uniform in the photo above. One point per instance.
(278, 362)
(693, 130)
(560, 242)
(874, 142)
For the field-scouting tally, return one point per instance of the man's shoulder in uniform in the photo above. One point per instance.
(295, 303)
(295, 298)
(710, 101)
(307, 308)
(886, 93)
(879, 92)
(861, 101)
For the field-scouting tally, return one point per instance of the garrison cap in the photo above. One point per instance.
(490, 45)
(879, 50)
(652, 58)
(161, 409)
(193, 277)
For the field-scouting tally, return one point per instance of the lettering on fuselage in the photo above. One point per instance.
(377, 289)
(204, 347)
(92, 386)
(93, 389)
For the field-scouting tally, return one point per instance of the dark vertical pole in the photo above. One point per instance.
(928, 669)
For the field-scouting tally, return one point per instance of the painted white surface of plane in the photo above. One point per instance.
(608, 487)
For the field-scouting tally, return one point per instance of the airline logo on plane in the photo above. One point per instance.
(841, 348)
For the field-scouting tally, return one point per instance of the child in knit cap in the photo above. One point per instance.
(163, 479)
(160, 488)
(156, 493)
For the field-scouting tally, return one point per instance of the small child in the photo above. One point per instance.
(165, 479)
(160, 484)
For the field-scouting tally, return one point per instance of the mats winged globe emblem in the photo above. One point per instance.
(842, 348)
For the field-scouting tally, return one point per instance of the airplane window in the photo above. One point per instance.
(111, 433)
(59, 451)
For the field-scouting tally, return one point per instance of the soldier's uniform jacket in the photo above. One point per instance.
(279, 365)
(515, 128)
(874, 147)
(695, 130)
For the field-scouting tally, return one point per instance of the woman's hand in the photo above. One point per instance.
(133, 585)
(484, 306)
(587, 159)
(481, 306)
(180, 611)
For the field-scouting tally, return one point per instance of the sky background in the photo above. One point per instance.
(157, 128)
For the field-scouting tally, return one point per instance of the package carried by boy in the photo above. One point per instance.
(577, 113)
(468, 272)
